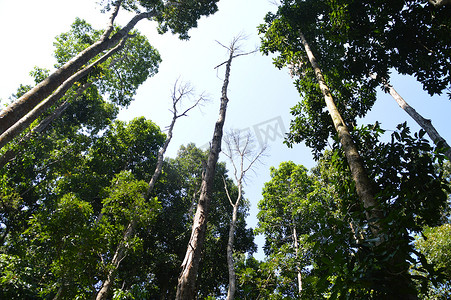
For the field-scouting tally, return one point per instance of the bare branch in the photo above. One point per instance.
(227, 191)
(235, 47)
(239, 147)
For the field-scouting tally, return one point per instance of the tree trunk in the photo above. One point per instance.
(230, 263)
(359, 175)
(400, 277)
(19, 108)
(35, 112)
(190, 265)
(104, 292)
(118, 256)
(296, 249)
(425, 124)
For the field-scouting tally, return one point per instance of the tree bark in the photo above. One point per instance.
(118, 256)
(425, 124)
(362, 182)
(296, 249)
(230, 262)
(35, 112)
(19, 108)
(120, 250)
(190, 265)
(235, 146)
(359, 175)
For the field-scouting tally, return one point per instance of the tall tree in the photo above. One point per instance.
(179, 92)
(424, 123)
(285, 32)
(187, 280)
(117, 75)
(179, 16)
(241, 154)
(84, 173)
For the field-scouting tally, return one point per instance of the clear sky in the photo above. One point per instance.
(260, 95)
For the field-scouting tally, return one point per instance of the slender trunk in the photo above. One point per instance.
(59, 293)
(190, 265)
(104, 292)
(118, 256)
(159, 167)
(296, 249)
(24, 122)
(400, 276)
(230, 262)
(19, 108)
(362, 182)
(426, 124)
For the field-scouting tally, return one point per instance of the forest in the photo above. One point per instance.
(95, 205)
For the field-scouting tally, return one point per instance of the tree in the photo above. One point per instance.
(425, 124)
(178, 94)
(284, 216)
(179, 16)
(239, 149)
(117, 75)
(435, 245)
(85, 173)
(338, 254)
(286, 33)
(190, 265)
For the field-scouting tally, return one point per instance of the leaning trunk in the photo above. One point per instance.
(426, 124)
(190, 265)
(19, 108)
(362, 182)
(399, 274)
(11, 154)
(29, 118)
(121, 249)
(118, 256)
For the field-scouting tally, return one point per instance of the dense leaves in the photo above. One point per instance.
(336, 254)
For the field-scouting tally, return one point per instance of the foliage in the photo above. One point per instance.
(435, 244)
(121, 75)
(337, 257)
(178, 193)
(73, 189)
(353, 98)
(178, 16)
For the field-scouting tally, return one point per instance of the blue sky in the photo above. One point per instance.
(260, 95)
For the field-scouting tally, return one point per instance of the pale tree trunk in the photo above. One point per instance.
(359, 175)
(35, 112)
(230, 262)
(118, 256)
(19, 108)
(296, 249)
(241, 150)
(361, 180)
(425, 124)
(187, 280)
(121, 248)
